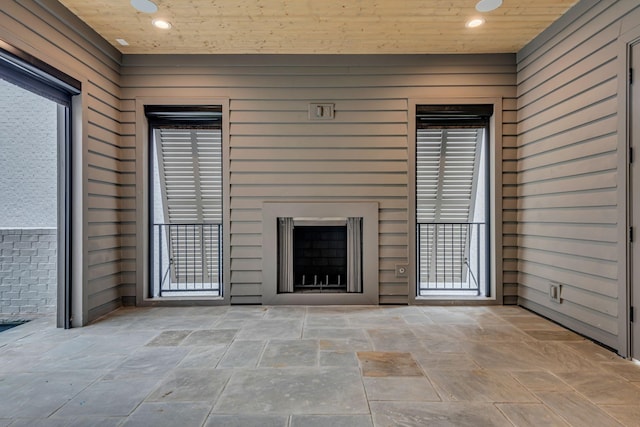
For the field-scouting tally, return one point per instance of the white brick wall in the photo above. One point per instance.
(28, 273)
(28, 158)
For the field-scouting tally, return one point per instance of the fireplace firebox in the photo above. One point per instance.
(320, 259)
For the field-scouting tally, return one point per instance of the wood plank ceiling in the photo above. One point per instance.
(319, 26)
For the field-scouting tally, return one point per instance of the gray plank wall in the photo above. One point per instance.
(51, 33)
(277, 154)
(568, 203)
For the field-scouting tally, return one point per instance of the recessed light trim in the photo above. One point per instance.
(144, 6)
(475, 22)
(162, 24)
(488, 5)
(122, 42)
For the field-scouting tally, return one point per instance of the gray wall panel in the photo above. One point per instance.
(568, 169)
(276, 153)
(42, 29)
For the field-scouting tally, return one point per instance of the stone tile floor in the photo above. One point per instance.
(313, 366)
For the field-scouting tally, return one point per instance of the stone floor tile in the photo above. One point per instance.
(289, 353)
(492, 333)
(558, 357)
(554, 335)
(440, 338)
(191, 385)
(531, 415)
(335, 333)
(325, 390)
(43, 393)
(286, 312)
(169, 338)
(244, 313)
(436, 414)
(479, 385)
(592, 351)
(532, 322)
(208, 337)
(376, 320)
(417, 319)
(314, 320)
(624, 368)
(122, 343)
(349, 344)
(444, 361)
(148, 362)
(204, 357)
(394, 340)
(242, 420)
(400, 388)
(113, 398)
(603, 389)
(67, 422)
(540, 381)
(444, 316)
(575, 409)
(242, 354)
(183, 414)
(628, 415)
(388, 364)
(338, 358)
(271, 329)
(331, 421)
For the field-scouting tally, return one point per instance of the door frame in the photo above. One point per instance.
(143, 187)
(625, 43)
(495, 225)
(57, 85)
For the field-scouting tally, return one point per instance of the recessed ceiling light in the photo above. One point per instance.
(145, 6)
(488, 5)
(123, 42)
(161, 23)
(475, 22)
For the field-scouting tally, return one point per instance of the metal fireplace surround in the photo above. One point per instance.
(316, 211)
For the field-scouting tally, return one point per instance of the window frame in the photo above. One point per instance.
(143, 214)
(494, 222)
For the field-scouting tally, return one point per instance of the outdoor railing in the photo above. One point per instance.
(451, 257)
(187, 258)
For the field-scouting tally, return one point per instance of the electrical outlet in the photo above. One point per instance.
(554, 292)
(402, 270)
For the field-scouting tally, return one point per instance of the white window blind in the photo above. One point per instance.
(190, 164)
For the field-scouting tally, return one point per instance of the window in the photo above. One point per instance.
(451, 200)
(186, 200)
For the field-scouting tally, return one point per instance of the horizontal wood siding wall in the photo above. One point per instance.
(52, 34)
(276, 153)
(567, 163)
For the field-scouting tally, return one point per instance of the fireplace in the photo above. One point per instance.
(320, 253)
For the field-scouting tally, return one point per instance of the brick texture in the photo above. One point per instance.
(28, 272)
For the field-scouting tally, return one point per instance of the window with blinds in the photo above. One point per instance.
(186, 154)
(451, 188)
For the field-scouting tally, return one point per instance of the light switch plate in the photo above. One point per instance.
(321, 111)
